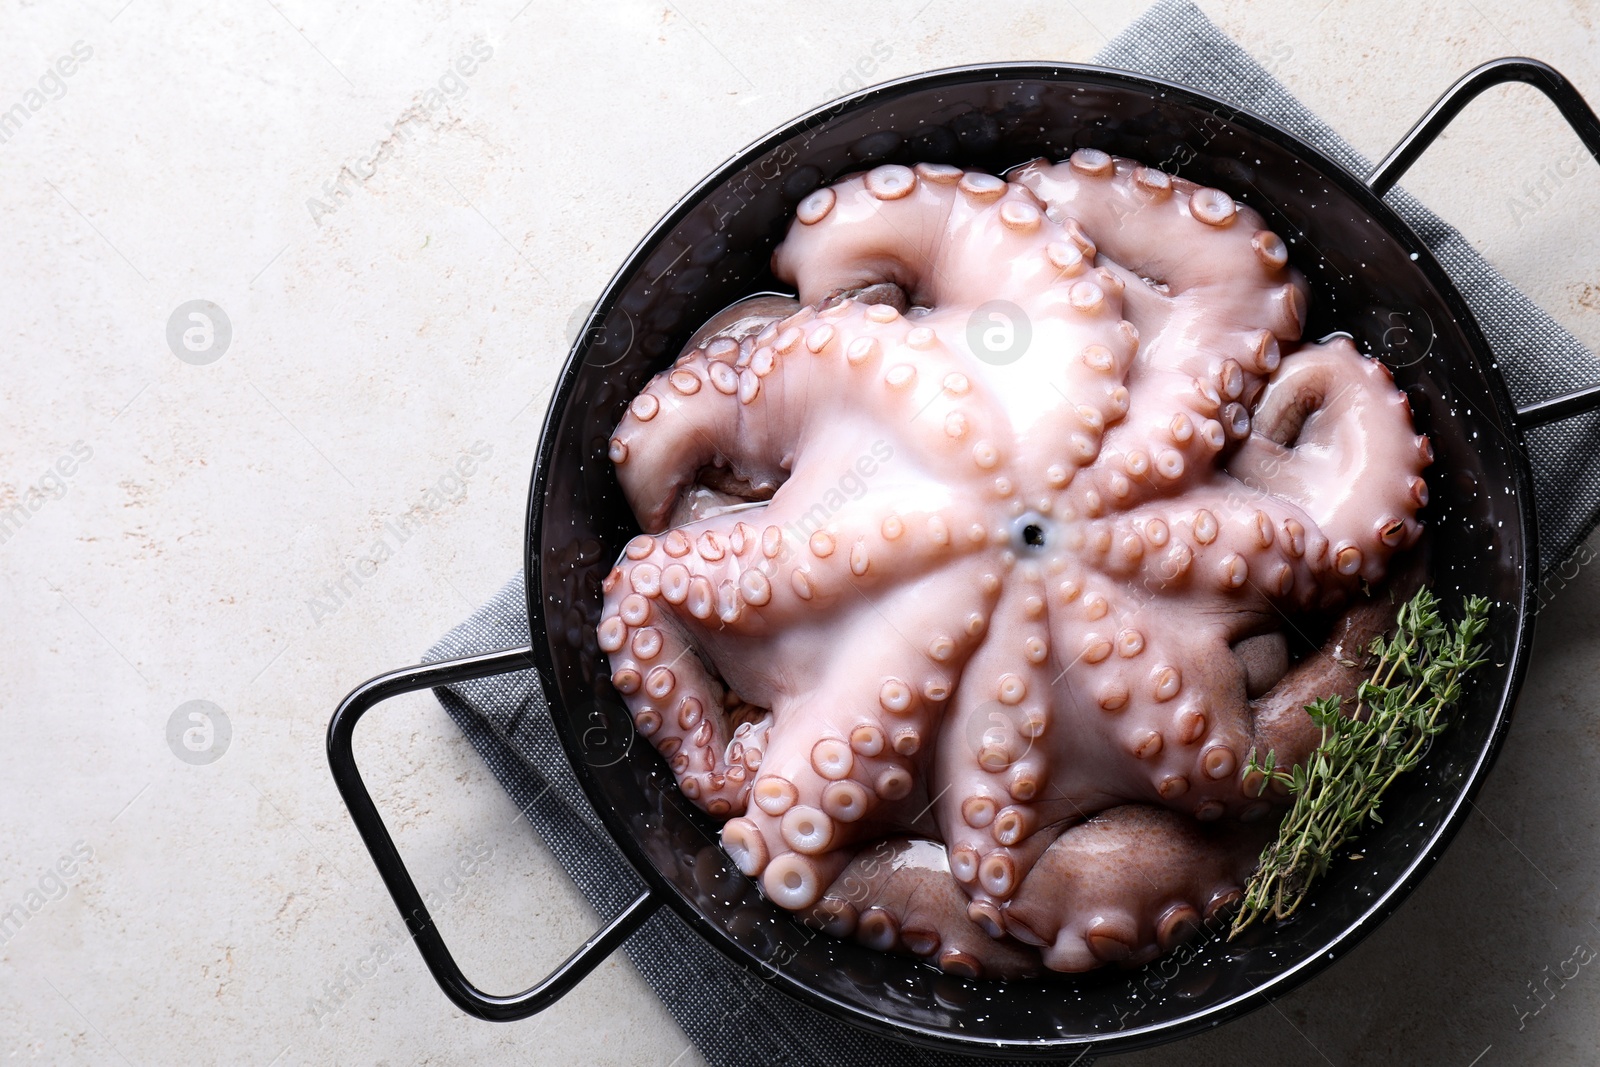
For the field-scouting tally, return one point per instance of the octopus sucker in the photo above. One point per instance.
(745, 845)
(1010, 615)
(795, 881)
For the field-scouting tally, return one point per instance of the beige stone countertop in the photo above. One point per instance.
(194, 522)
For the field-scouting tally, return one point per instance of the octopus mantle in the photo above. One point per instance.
(969, 634)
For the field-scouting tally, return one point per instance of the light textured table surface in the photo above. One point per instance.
(228, 530)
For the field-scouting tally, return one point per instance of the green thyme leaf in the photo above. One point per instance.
(1415, 681)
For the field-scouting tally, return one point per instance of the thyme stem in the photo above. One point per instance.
(1415, 680)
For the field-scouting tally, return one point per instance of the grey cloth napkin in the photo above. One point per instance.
(738, 1021)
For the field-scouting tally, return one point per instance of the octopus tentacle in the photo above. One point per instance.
(898, 371)
(1210, 259)
(677, 704)
(1127, 885)
(1008, 766)
(677, 603)
(850, 742)
(696, 415)
(1281, 725)
(1334, 436)
(1227, 550)
(1206, 283)
(916, 228)
(1167, 696)
(897, 895)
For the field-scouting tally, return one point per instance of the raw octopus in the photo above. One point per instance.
(967, 637)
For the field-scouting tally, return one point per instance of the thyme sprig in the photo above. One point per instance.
(1399, 709)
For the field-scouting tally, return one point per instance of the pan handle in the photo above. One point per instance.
(341, 758)
(1579, 115)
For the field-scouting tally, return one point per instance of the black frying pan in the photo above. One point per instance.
(1365, 268)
